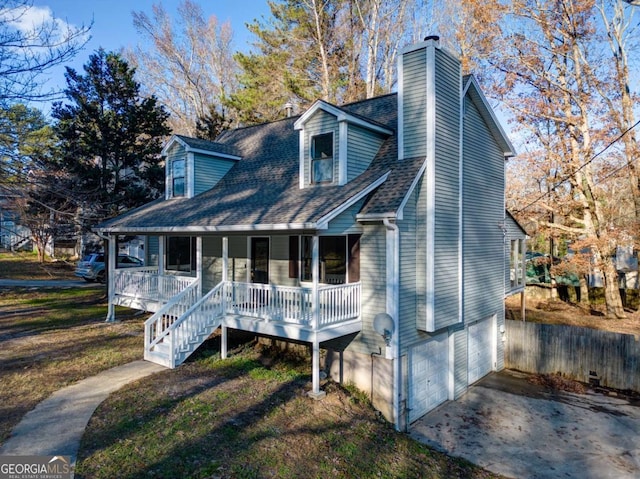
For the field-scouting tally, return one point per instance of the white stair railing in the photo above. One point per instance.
(157, 327)
(196, 324)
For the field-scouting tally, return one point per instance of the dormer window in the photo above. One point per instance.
(322, 158)
(177, 173)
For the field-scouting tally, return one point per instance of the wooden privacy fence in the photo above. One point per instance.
(578, 353)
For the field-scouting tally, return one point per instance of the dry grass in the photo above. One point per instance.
(555, 311)
(249, 417)
(26, 266)
(52, 338)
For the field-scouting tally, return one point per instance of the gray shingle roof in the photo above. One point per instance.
(206, 145)
(262, 189)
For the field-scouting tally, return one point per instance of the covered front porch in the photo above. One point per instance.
(187, 309)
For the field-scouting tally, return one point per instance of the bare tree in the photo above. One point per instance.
(189, 67)
(33, 41)
(385, 24)
(547, 61)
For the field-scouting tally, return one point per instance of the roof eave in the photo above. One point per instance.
(189, 149)
(189, 230)
(489, 116)
(341, 116)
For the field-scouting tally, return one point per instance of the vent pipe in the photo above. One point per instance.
(289, 108)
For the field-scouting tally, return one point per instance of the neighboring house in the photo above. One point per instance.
(374, 231)
(13, 235)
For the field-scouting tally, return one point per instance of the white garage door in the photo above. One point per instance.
(480, 349)
(428, 373)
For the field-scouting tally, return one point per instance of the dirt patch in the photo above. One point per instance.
(555, 311)
(557, 382)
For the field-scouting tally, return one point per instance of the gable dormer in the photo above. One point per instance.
(193, 166)
(335, 146)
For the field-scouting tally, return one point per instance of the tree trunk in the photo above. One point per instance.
(584, 291)
(612, 292)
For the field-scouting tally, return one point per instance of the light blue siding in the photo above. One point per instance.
(414, 103)
(211, 261)
(238, 259)
(362, 146)
(373, 275)
(483, 216)
(279, 262)
(345, 222)
(412, 271)
(208, 170)
(446, 236)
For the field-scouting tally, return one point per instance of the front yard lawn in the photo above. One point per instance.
(54, 337)
(26, 266)
(249, 417)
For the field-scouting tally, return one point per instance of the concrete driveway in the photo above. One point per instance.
(512, 427)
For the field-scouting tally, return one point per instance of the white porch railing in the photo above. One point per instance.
(185, 321)
(269, 302)
(338, 303)
(145, 283)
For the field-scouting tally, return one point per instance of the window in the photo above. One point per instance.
(181, 254)
(177, 175)
(322, 158)
(516, 262)
(337, 255)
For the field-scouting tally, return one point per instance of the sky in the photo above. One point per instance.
(113, 26)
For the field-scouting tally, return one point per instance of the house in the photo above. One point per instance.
(373, 232)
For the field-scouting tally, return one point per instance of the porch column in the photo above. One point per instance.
(523, 271)
(111, 280)
(225, 274)
(225, 258)
(161, 261)
(199, 264)
(316, 392)
(315, 279)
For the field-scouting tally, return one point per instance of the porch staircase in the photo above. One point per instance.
(175, 331)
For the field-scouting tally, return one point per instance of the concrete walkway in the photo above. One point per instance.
(57, 424)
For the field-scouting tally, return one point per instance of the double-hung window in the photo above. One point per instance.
(322, 158)
(177, 175)
(181, 254)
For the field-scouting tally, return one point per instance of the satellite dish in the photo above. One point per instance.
(383, 325)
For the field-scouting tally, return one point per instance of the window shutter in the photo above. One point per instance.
(354, 258)
(294, 256)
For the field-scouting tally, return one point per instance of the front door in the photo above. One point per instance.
(260, 260)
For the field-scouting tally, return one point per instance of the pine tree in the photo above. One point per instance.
(110, 138)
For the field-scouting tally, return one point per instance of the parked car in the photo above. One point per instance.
(91, 268)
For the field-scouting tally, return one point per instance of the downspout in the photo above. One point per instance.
(393, 309)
